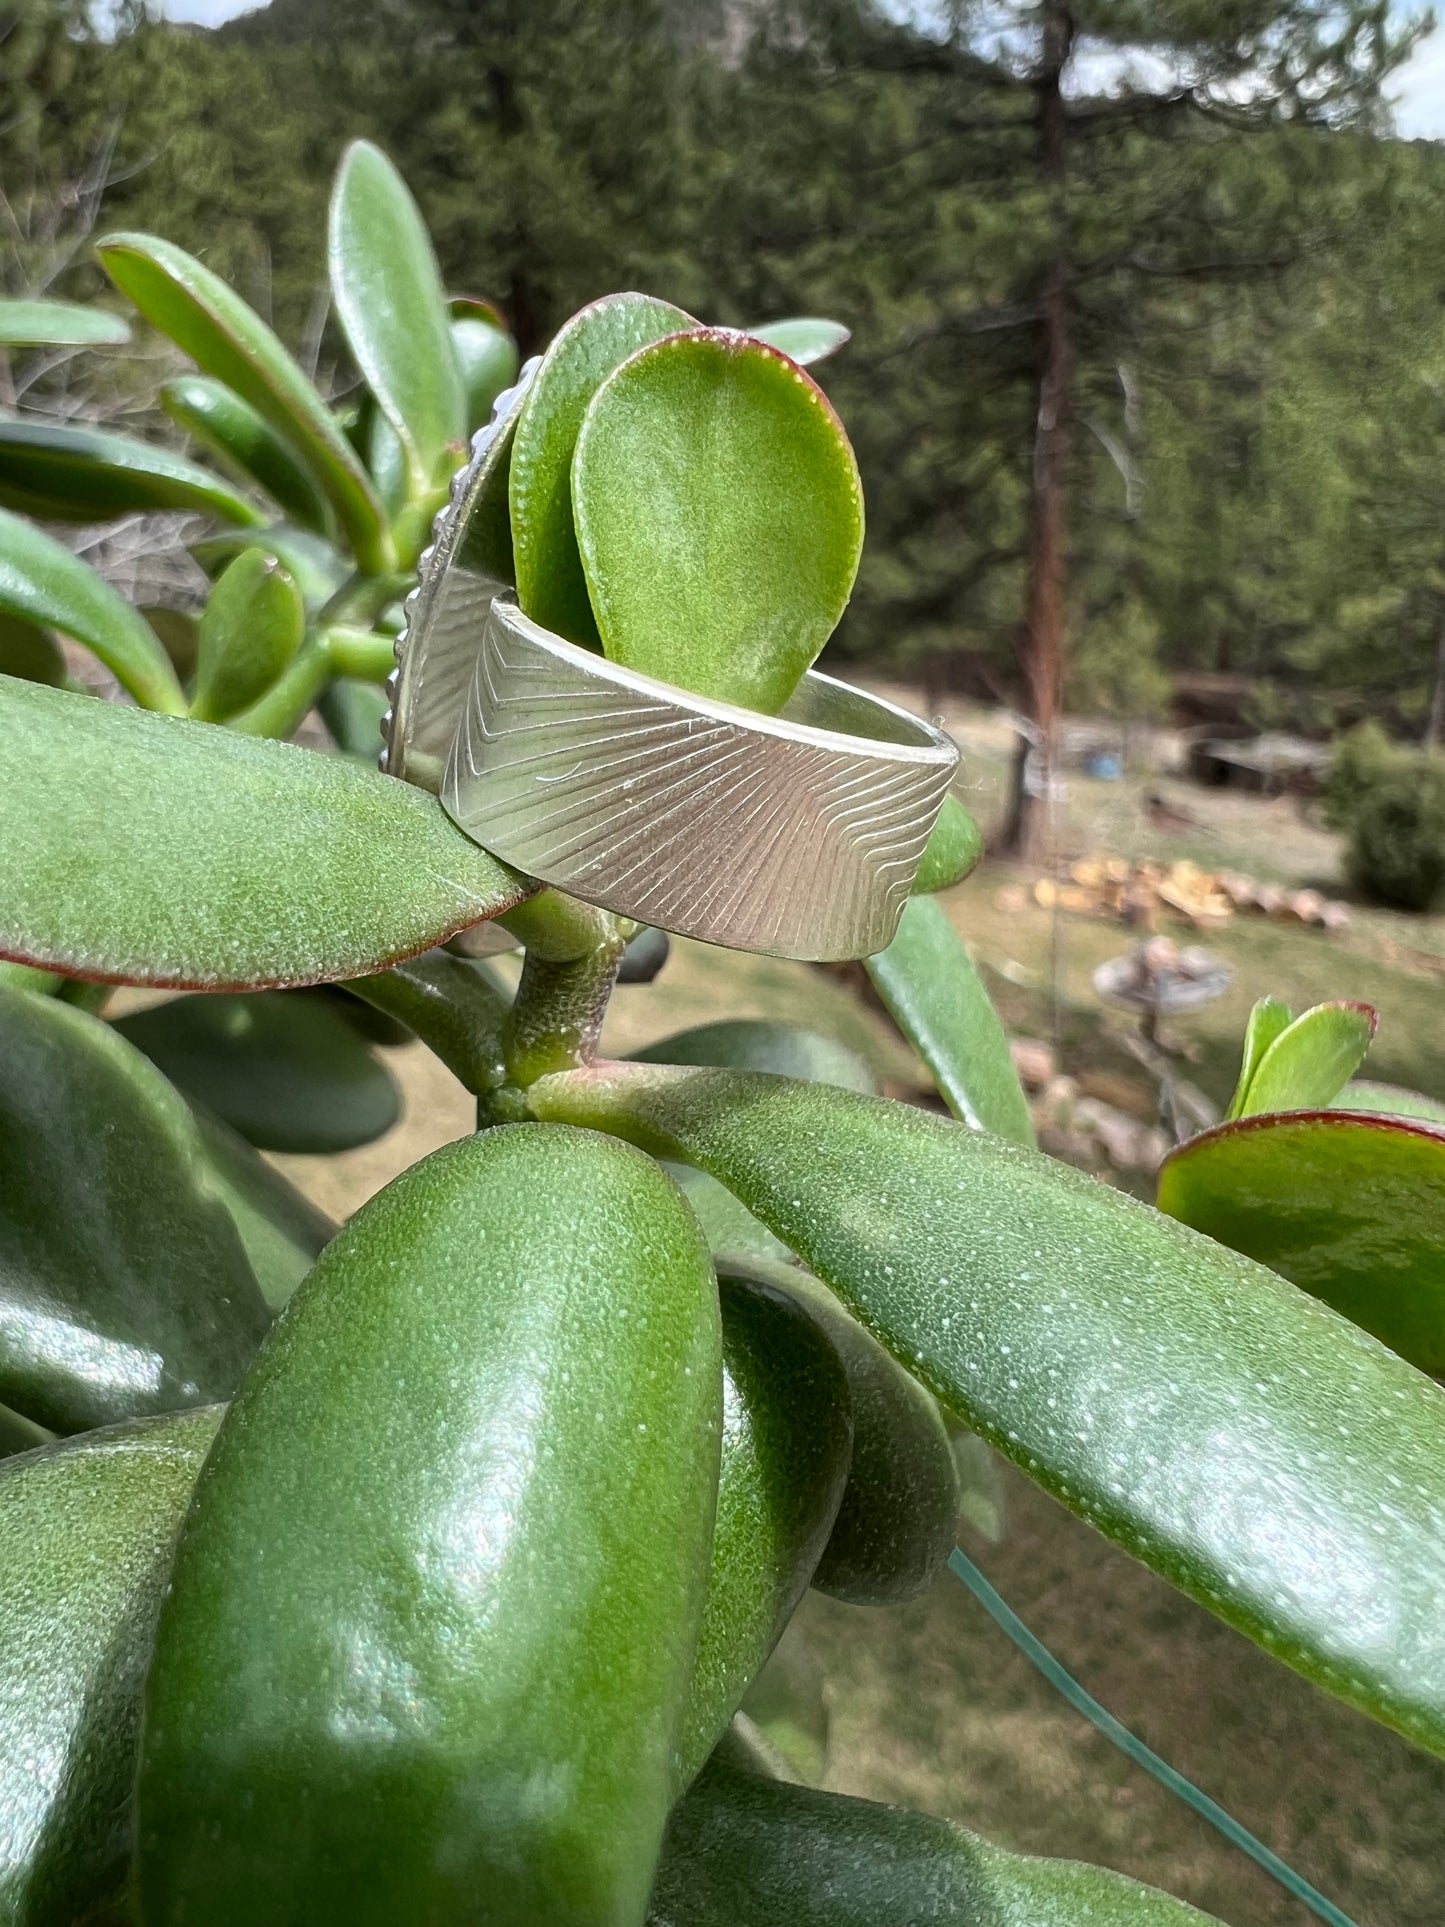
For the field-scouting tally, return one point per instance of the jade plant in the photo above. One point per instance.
(1335, 1181)
(417, 1570)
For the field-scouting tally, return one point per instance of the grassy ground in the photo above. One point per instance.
(929, 1704)
(1039, 965)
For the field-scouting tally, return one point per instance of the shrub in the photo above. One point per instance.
(1359, 758)
(1390, 802)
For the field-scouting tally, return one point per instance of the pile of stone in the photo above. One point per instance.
(1098, 1120)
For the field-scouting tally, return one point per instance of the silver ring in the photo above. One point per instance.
(466, 565)
(797, 835)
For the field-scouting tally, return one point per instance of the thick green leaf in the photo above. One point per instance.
(551, 586)
(19, 1434)
(744, 1851)
(282, 1231)
(1388, 1100)
(125, 1289)
(1269, 1017)
(30, 652)
(486, 354)
(246, 443)
(897, 1521)
(386, 461)
(735, 575)
(319, 570)
(453, 1004)
(1305, 1065)
(141, 849)
(352, 712)
(229, 340)
(805, 339)
(42, 582)
(1262, 1454)
(434, 1608)
(756, 1044)
(927, 980)
(251, 628)
(368, 1020)
(63, 473)
(179, 634)
(727, 1224)
(283, 1069)
(44, 983)
(390, 303)
(952, 851)
(1351, 1208)
(645, 955)
(86, 1534)
(59, 324)
(787, 1435)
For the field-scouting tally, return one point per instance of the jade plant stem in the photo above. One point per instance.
(557, 1017)
(279, 711)
(553, 1023)
(456, 1011)
(572, 954)
(360, 653)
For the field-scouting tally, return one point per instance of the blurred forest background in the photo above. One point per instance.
(1148, 369)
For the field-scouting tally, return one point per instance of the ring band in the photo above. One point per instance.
(457, 577)
(796, 835)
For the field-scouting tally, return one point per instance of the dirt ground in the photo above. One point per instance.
(930, 1705)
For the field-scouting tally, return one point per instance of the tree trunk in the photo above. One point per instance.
(1043, 641)
(511, 122)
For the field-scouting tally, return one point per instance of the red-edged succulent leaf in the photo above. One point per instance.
(149, 850)
(1351, 1207)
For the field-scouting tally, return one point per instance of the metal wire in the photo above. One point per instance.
(1114, 1730)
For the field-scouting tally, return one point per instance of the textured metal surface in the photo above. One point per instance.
(775, 834)
(467, 563)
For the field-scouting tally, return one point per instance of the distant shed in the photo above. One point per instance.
(1270, 763)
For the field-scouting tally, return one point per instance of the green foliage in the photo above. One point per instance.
(390, 303)
(1358, 761)
(86, 1533)
(64, 474)
(227, 339)
(538, 1625)
(936, 1235)
(243, 441)
(271, 892)
(44, 585)
(1256, 331)
(952, 852)
(930, 986)
(1300, 1064)
(787, 1446)
(1351, 1208)
(551, 585)
(510, 1506)
(252, 627)
(740, 579)
(287, 1071)
(1391, 804)
(125, 1288)
(64, 324)
(741, 1846)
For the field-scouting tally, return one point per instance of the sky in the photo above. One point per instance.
(1419, 88)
